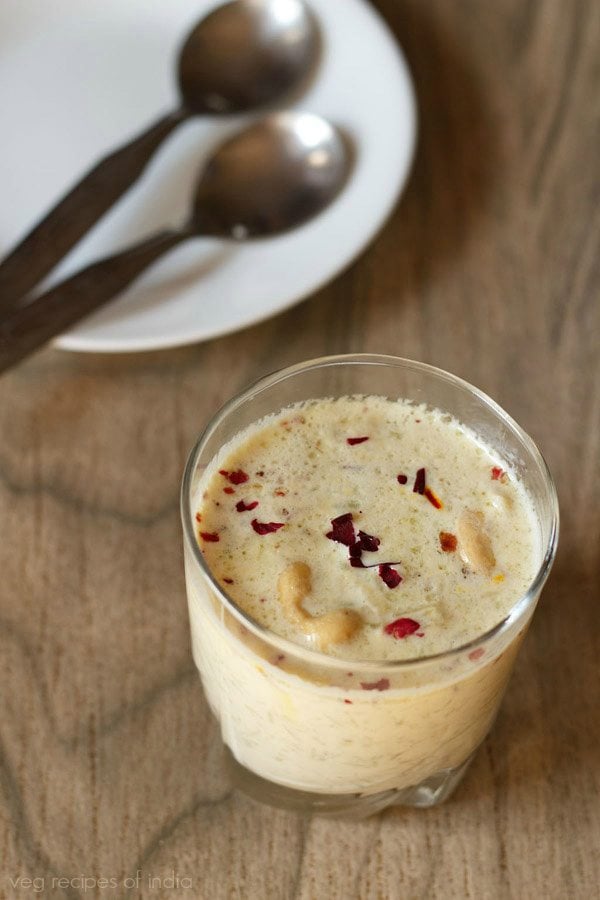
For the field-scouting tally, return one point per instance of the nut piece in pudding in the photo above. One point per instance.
(335, 627)
(474, 543)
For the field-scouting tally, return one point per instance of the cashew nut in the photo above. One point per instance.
(474, 543)
(330, 628)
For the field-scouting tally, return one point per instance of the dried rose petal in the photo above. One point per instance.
(402, 479)
(198, 517)
(448, 541)
(238, 477)
(401, 628)
(356, 440)
(229, 490)
(476, 654)
(381, 685)
(365, 542)
(497, 473)
(242, 506)
(211, 537)
(341, 520)
(368, 542)
(342, 530)
(435, 501)
(419, 485)
(266, 527)
(356, 550)
(343, 533)
(389, 576)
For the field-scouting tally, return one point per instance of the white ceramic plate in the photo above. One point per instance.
(77, 79)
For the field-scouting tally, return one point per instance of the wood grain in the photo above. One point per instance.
(109, 759)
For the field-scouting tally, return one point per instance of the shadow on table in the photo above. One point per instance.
(547, 736)
(459, 147)
(561, 652)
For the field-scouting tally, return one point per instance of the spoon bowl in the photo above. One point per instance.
(272, 177)
(246, 54)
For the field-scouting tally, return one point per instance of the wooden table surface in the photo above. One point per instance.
(110, 764)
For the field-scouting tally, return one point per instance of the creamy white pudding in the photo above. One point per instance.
(372, 532)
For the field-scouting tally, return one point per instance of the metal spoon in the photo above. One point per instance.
(243, 55)
(266, 180)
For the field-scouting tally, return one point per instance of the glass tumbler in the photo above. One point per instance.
(309, 734)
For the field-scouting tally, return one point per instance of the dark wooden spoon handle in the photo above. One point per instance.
(25, 329)
(73, 216)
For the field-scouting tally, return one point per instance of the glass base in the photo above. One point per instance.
(431, 792)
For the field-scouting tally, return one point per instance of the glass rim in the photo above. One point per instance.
(517, 611)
